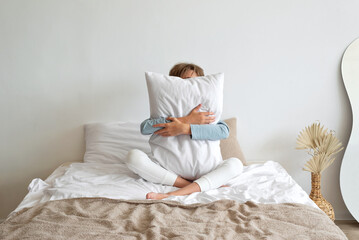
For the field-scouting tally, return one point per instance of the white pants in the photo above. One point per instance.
(138, 162)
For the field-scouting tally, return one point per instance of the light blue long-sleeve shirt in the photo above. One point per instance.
(198, 132)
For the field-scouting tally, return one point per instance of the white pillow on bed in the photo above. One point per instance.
(110, 142)
(176, 97)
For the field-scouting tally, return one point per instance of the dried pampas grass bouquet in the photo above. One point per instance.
(322, 145)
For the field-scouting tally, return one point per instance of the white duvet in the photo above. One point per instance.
(261, 183)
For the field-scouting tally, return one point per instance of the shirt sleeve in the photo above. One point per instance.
(147, 125)
(210, 131)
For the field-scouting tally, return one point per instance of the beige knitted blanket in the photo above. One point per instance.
(101, 218)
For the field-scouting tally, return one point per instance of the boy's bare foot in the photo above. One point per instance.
(158, 196)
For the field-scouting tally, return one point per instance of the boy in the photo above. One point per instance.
(196, 124)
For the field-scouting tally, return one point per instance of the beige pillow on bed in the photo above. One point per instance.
(230, 146)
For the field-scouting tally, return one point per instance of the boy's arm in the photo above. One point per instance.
(147, 125)
(197, 132)
(194, 117)
(196, 124)
(210, 131)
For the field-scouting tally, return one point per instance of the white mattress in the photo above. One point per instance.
(261, 183)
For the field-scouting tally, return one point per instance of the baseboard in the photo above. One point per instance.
(346, 221)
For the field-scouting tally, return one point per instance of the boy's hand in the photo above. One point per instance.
(173, 128)
(196, 117)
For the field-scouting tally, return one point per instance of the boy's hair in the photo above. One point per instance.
(180, 68)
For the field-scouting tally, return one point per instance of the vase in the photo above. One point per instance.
(316, 196)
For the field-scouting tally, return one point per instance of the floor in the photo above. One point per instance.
(349, 227)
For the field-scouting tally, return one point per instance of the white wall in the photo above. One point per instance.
(65, 63)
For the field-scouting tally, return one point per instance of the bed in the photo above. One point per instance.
(87, 200)
(97, 200)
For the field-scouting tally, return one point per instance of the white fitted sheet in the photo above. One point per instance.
(261, 183)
